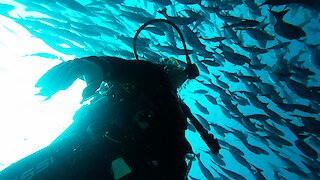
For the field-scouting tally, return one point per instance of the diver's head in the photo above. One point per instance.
(175, 70)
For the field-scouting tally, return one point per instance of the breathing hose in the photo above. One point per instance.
(192, 71)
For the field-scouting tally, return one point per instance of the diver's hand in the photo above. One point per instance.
(63, 75)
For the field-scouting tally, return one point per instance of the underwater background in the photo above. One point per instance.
(258, 91)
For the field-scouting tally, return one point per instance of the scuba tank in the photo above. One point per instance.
(192, 72)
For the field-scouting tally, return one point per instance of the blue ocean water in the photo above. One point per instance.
(261, 104)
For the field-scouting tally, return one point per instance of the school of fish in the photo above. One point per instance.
(258, 91)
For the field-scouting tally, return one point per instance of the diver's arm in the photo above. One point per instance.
(104, 62)
(63, 75)
(94, 70)
(118, 70)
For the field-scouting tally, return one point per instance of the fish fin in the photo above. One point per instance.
(283, 13)
(304, 23)
(198, 156)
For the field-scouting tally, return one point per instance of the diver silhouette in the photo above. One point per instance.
(133, 127)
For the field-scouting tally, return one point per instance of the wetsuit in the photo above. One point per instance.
(138, 120)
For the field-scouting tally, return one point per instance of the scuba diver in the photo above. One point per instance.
(132, 128)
